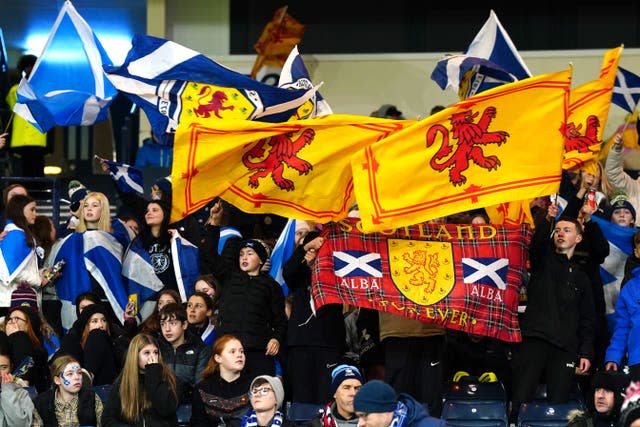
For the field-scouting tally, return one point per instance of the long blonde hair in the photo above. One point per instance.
(133, 397)
(104, 224)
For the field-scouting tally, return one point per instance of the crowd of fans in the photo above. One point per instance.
(219, 334)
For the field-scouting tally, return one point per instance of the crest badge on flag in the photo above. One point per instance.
(423, 271)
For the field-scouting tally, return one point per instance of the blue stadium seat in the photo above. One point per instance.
(103, 392)
(575, 394)
(541, 414)
(475, 413)
(184, 414)
(475, 404)
(300, 413)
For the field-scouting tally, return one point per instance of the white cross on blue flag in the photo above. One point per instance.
(626, 91)
(67, 85)
(486, 271)
(357, 264)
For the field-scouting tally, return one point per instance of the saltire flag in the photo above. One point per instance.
(282, 251)
(463, 277)
(225, 234)
(494, 44)
(612, 269)
(67, 85)
(587, 115)
(93, 254)
(296, 169)
(17, 262)
(294, 75)
(626, 91)
(511, 213)
(279, 36)
(467, 75)
(175, 84)
(478, 152)
(128, 178)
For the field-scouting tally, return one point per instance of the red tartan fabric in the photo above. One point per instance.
(420, 272)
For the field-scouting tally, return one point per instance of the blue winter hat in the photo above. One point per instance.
(342, 373)
(258, 248)
(375, 397)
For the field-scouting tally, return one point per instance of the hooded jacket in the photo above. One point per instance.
(626, 333)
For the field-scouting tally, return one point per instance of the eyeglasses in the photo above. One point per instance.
(262, 391)
(172, 323)
(16, 318)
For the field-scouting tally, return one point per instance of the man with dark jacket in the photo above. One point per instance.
(346, 380)
(315, 343)
(558, 325)
(377, 405)
(182, 350)
(604, 401)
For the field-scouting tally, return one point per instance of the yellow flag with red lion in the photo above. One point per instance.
(498, 146)
(588, 110)
(297, 169)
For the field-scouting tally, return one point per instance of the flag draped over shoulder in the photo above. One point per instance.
(294, 75)
(587, 115)
(173, 84)
(279, 36)
(67, 85)
(477, 153)
(626, 91)
(92, 254)
(296, 169)
(612, 269)
(463, 277)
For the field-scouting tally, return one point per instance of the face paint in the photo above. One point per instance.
(69, 372)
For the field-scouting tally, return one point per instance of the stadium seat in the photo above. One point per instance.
(575, 395)
(300, 413)
(475, 404)
(541, 414)
(184, 415)
(103, 392)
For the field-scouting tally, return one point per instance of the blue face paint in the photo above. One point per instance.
(64, 380)
(71, 369)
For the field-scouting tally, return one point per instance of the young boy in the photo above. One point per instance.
(251, 305)
(181, 349)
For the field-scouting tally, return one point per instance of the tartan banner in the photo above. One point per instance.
(463, 277)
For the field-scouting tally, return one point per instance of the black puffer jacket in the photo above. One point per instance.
(250, 307)
(560, 305)
(215, 399)
(162, 412)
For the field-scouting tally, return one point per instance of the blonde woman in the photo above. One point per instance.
(95, 213)
(144, 394)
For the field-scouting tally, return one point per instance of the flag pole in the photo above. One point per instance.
(6, 129)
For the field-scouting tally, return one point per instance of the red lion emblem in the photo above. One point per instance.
(470, 137)
(283, 152)
(575, 141)
(214, 105)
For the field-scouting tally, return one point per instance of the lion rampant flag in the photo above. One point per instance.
(499, 146)
(296, 169)
(588, 110)
(278, 38)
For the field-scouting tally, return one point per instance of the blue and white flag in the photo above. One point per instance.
(467, 75)
(282, 251)
(93, 254)
(67, 85)
(294, 75)
(612, 269)
(357, 264)
(225, 234)
(486, 271)
(128, 178)
(493, 43)
(186, 264)
(157, 72)
(626, 91)
(18, 262)
(139, 276)
(141, 279)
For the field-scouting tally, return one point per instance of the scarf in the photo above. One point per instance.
(327, 417)
(251, 420)
(399, 415)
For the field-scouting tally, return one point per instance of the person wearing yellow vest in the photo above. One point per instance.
(28, 145)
